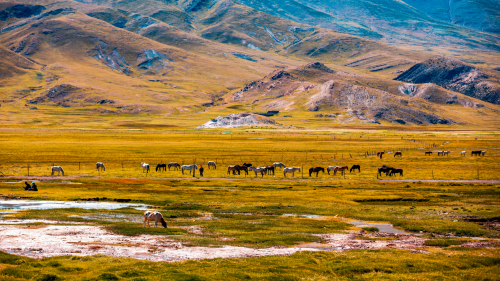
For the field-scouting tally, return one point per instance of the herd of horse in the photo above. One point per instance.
(270, 169)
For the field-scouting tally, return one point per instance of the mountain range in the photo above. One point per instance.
(180, 63)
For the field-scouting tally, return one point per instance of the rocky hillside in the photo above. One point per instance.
(457, 76)
(350, 98)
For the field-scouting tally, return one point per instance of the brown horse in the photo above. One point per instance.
(380, 154)
(354, 167)
(241, 168)
(384, 169)
(428, 153)
(161, 166)
(270, 169)
(232, 169)
(340, 169)
(316, 170)
(396, 171)
(175, 165)
(398, 153)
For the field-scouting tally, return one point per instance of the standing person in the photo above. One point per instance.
(201, 171)
(27, 186)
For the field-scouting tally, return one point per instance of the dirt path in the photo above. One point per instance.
(42, 178)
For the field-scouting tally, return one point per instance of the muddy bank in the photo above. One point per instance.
(39, 241)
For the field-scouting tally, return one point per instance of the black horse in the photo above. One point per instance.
(270, 169)
(240, 168)
(355, 167)
(398, 153)
(248, 165)
(175, 165)
(316, 170)
(384, 169)
(161, 166)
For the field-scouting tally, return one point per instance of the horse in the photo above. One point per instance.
(175, 165)
(330, 168)
(260, 170)
(476, 153)
(446, 152)
(384, 169)
(316, 170)
(161, 166)
(463, 153)
(100, 165)
(290, 170)
(380, 154)
(396, 171)
(340, 169)
(212, 164)
(145, 167)
(248, 165)
(270, 169)
(232, 169)
(279, 164)
(483, 152)
(188, 167)
(154, 216)
(354, 167)
(242, 168)
(428, 153)
(57, 169)
(398, 153)
(440, 153)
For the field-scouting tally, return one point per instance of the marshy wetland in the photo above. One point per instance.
(442, 222)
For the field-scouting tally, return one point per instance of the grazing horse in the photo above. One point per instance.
(145, 167)
(242, 168)
(316, 170)
(384, 169)
(212, 164)
(354, 167)
(100, 165)
(330, 168)
(270, 169)
(463, 153)
(279, 164)
(396, 171)
(161, 166)
(483, 152)
(248, 165)
(232, 169)
(260, 170)
(175, 165)
(154, 216)
(188, 167)
(380, 154)
(57, 169)
(340, 169)
(398, 153)
(428, 153)
(290, 170)
(475, 153)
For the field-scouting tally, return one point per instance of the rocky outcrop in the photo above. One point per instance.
(455, 75)
(237, 120)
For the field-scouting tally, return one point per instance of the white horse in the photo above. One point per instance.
(290, 170)
(145, 167)
(331, 168)
(446, 152)
(212, 164)
(463, 153)
(57, 169)
(154, 216)
(260, 170)
(100, 165)
(188, 167)
(279, 164)
(483, 152)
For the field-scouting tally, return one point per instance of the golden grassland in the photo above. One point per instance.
(253, 212)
